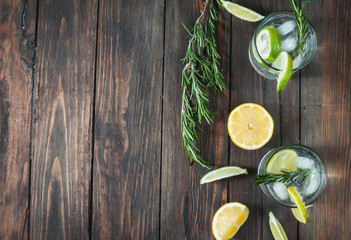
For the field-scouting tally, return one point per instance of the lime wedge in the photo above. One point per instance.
(268, 43)
(276, 228)
(242, 12)
(300, 212)
(285, 64)
(282, 160)
(221, 173)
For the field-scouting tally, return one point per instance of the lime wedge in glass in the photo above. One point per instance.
(285, 64)
(276, 228)
(268, 43)
(242, 12)
(282, 160)
(223, 172)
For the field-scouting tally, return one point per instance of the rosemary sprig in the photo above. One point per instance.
(201, 71)
(301, 22)
(285, 177)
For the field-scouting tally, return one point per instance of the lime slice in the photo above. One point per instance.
(285, 64)
(276, 228)
(242, 12)
(268, 43)
(257, 57)
(300, 212)
(259, 61)
(282, 160)
(220, 173)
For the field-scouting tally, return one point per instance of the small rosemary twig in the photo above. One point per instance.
(301, 22)
(284, 177)
(201, 71)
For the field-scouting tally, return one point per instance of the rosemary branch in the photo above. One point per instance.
(201, 71)
(301, 22)
(285, 177)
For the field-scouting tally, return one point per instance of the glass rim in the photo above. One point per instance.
(321, 188)
(310, 27)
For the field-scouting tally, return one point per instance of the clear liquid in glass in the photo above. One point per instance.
(285, 23)
(309, 189)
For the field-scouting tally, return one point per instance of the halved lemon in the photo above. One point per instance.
(276, 228)
(300, 212)
(228, 219)
(250, 126)
(282, 160)
(242, 12)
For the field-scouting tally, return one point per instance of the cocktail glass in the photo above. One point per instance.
(310, 189)
(284, 22)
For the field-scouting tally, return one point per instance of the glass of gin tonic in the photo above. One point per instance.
(277, 33)
(291, 158)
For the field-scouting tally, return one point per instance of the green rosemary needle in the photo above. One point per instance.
(285, 177)
(201, 71)
(301, 22)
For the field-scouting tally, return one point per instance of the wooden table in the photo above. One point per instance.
(90, 139)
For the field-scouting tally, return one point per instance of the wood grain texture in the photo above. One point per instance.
(128, 115)
(187, 208)
(62, 128)
(17, 30)
(326, 118)
(287, 128)
(120, 122)
(248, 86)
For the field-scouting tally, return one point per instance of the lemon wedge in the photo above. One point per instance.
(228, 219)
(300, 212)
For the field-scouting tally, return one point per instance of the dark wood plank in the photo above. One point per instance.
(289, 133)
(62, 128)
(248, 86)
(187, 208)
(326, 118)
(127, 153)
(17, 32)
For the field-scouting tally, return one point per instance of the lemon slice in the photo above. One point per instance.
(250, 126)
(242, 12)
(268, 42)
(282, 160)
(276, 228)
(297, 214)
(228, 219)
(285, 64)
(223, 172)
(300, 212)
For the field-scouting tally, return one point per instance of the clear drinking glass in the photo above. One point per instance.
(285, 23)
(310, 189)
